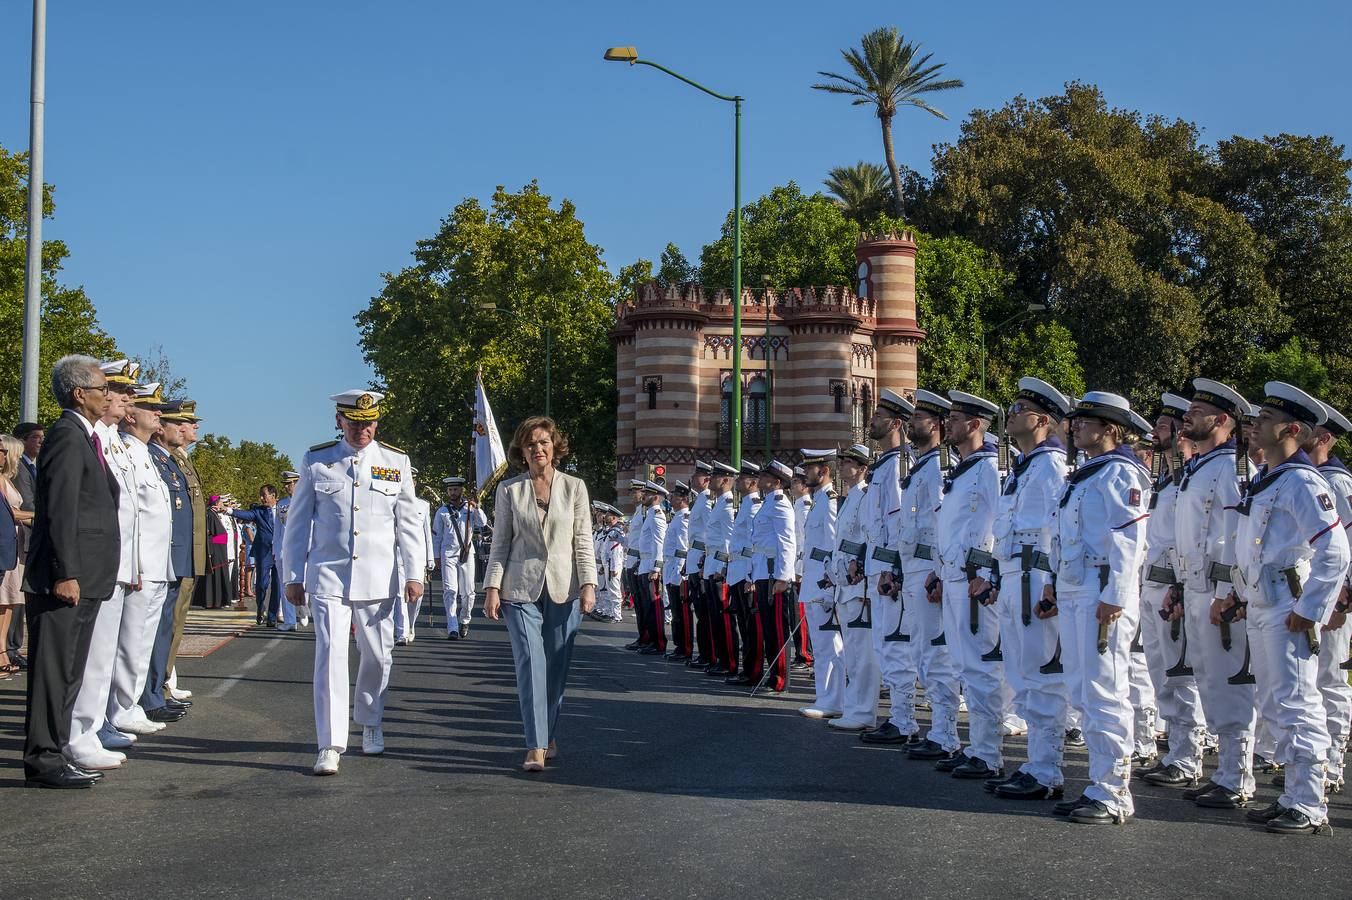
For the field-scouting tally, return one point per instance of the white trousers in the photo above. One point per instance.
(861, 666)
(828, 667)
(1040, 699)
(1176, 697)
(610, 597)
(457, 589)
(1229, 708)
(1337, 693)
(135, 641)
(1293, 707)
(91, 703)
(1142, 697)
(938, 674)
(896, 658)
(983, 681)
(1100, 683)
(406, 616)
(374, 621)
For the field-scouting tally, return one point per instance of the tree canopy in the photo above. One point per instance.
(238, 470)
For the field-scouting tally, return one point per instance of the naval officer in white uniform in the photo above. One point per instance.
(353, 521)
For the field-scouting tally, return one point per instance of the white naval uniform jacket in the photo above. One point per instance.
(819, 542)
(966, 519)
(881, 506)
(124, 469)
(849, 528)
(632, 535)
(675, 545)
(352, 516)
(1161, 531)
(773, 544)
(1205, 518)
(154, 514)
(279, 533)
(610, 561)
(718, 534)
(1031, 492)
(452, 527)
(917, 523)
(650, 541)
(739, 544)
(1340, 479)
(1289, 519)
(426, 555)
(700, 506)
(1100, 521)
(801, 507)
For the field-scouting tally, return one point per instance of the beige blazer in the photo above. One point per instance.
(525, 558)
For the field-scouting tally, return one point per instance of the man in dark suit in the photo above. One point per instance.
(264, 519)
(72, 568)
(32, 435)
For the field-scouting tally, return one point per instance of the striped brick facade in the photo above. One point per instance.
(828, 352)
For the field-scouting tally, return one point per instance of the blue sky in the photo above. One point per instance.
(233, 181)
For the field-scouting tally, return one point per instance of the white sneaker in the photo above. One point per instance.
(327, 763)
(99, 760)
(372, 740)
(304, 621)
(180, 695)
(114, 739)
(812, 712)
(142, 727)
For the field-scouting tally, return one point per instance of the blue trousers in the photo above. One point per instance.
(542, 636)
(153, 695)
(265, 587)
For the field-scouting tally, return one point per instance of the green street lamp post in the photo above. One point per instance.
(630, 55)
(549, 353)
(1030, 308)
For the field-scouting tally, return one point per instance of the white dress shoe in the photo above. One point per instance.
(372, 740)
(113, 739)
(180, 695)
(843, 724)
(142, 727)
(327, 763)
(812, 712)
(1013, 726)
(99, 760)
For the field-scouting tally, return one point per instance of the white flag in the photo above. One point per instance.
(489, 460)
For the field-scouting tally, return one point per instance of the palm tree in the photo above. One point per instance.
(888, 74)
(862, 191)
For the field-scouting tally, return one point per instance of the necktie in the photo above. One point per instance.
(98, 449)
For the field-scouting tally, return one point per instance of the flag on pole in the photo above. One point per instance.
(489, 460)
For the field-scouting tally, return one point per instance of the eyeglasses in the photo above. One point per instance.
(101, 387)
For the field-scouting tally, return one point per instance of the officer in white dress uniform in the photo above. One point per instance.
(1162, 635)
(453, 533)
(649, 571)
(971, 494)
(406, 614)
(857, 659)
(801, 499)
(1206, 518)
(717, 536)
(773, 549)
(882, 507)
(291, 615)
(610, 562)
(1031, 491)
(631, 558)
(89, 714)
(1098, 547)
(741, 589)
(353, 521)
(817, 591)
(1290, 568)
(675, 550)
(917, 544)
(1334, 641)
(700, 507)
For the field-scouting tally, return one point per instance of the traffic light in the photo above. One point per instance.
(658, 474)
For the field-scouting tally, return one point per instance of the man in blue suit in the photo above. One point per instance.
(158, 706)
(263, 517)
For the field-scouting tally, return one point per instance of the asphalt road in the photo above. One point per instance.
(669, 785)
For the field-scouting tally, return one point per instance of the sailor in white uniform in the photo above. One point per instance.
(291, 615)
(717, 535)
(857, 659)
(352, 523)
(610, 562)
(675, 549)
(649, 573)
(406, 614)
(453, 530)
(701, 654)
(817, 592)
(774, 548)
(630, 577)
(741, 589)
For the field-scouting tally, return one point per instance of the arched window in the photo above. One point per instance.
(862, 411)
(725, 405)
(756, 407)
(838, 395)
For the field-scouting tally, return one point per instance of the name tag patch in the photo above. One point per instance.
(383, 473)
(1134, 497)
(1325, 502)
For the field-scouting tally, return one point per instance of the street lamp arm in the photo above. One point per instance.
(644, 62)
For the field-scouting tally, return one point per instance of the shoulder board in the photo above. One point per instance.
(389, 447)
(324, 446)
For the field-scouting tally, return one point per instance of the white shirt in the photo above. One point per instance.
(700, 506)
(1100, 522)
(451, 527)
(1205, 518)
(849, 529)
(1030, 494)
(739, 542)
(881, 506)
(774, 547)
(819, 539)
(967, 514)
(155, 508)
(801, 507)
(675, 544)
(717, 534)
(916, 523)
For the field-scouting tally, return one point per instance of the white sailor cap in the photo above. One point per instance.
(818, 456)
(637, 484)
(750, 468)
(722, 468)
(778, 470)
(598, 506)
(652, 487)
(1252, 412)
(121, 371)
(1289, 399)
(1048, 398)
(453, 481)
(1221, 396)
(932, 403)
(798, 472)
(681, 488)
(703, 468)
(611, 510)
(147, 396)
(1104, 405)
(1139, 424)
(896, 404)
(972, 405)
(1173, 405)
(1335, 422)
(359, 404)
(288, 476)
(859, 453)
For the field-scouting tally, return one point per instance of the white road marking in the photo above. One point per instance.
(249, 663)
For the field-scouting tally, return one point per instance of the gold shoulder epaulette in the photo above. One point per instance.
(390, 447)
(324, 446)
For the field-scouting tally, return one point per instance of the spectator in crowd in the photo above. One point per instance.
(32, 436)
(13, 518)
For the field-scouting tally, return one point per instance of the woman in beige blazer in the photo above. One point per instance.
(541, 569)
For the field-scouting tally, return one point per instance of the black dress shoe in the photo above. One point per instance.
(1169, 776)
(633, 645)
(975, 767)
(1096, 812)
(697, 662)
(886, 733)
(171, 703)
(1205, 787)
(926, 750)
(717, 671)
(798, 665)
(66, 777)
(271, 623)
(1263, 764)
(165, 714)
(650, 650)
(951, 761)
(1066, 807)
(1155, 769)
(1223, 798)
(464, 629)
(992, 783)
(1074, 737)
(1143, 762)
(452, 635)
(88, 773)
(1266, 814)
(738, 679)
(1025, 787)
(1293, 821)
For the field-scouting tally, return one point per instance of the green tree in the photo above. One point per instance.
(239, 470)
(675, 268)
(69, 322)
(426, 334)
(155, 368)
(1293, 363)
(888, 74)
(863, 191)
